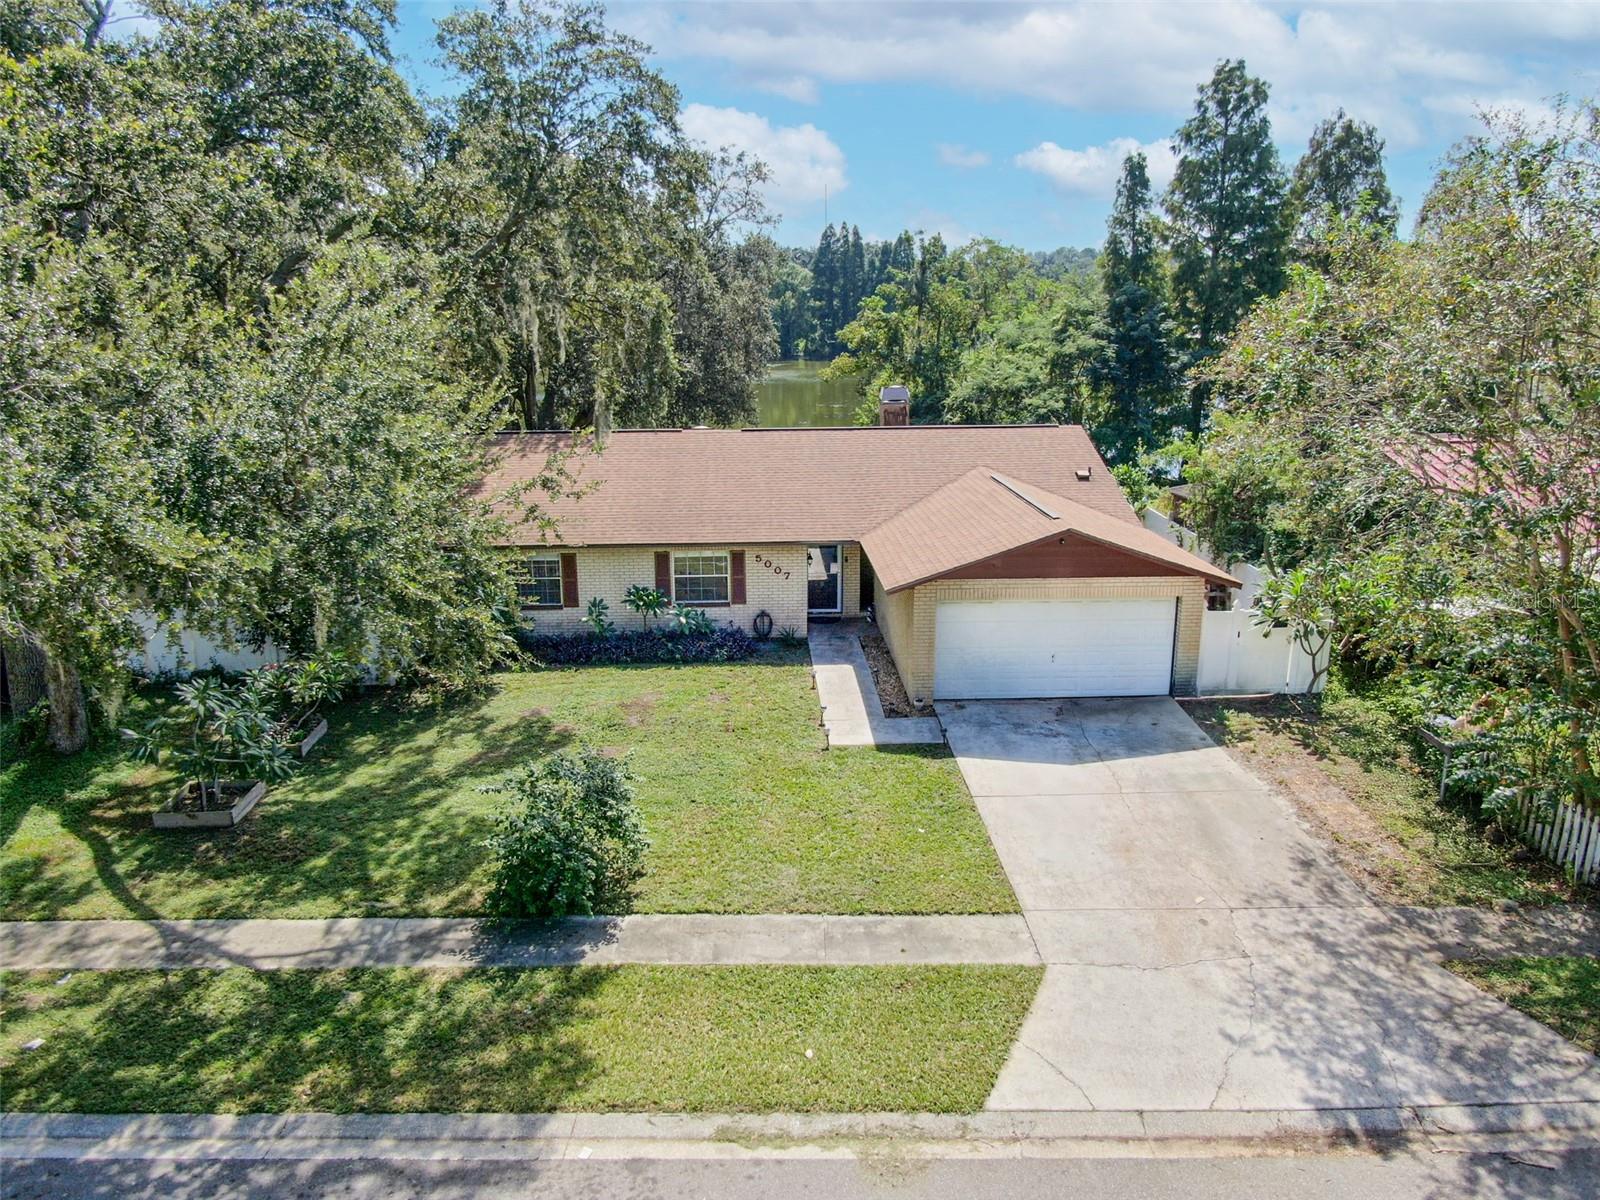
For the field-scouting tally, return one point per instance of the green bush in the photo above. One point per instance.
(571, 842)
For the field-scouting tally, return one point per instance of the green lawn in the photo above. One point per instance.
(746, 810)
(694, 1039)
(1349, 765)
(1564, 993)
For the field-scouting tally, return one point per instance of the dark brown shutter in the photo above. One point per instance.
(569, 581)
(664, 573)
(736, 569)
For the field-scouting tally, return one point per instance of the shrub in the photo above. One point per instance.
(571, 843)
(598, 618)
(648, 602)
(690, 620)
(297, 691)
(215, 731)
(789, 638)
(635, 646)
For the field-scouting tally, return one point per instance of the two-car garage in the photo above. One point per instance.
(1018, 649)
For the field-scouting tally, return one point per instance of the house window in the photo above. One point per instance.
(540, 586)
(700, 578)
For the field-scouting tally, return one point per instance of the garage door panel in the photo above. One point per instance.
(1013, 649)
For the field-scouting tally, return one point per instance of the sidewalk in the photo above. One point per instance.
(1067, 938)
(459, 942)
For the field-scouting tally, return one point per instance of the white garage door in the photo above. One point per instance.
(1013, 649)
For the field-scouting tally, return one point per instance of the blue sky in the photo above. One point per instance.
(1010, 120)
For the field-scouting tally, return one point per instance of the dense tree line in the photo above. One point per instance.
(262, 310)
(982, 333)
(1410, 434)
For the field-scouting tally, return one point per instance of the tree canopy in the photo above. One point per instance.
(264, 311)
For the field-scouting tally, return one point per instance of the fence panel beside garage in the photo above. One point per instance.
(1240, 657)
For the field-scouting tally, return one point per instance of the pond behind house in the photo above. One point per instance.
(794, 393)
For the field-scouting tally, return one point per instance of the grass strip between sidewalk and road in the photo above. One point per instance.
(633, 1038)
(1564, 993)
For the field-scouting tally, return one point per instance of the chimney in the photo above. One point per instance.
(894, 405)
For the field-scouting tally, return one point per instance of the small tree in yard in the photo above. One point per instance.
(217, 731)
(296, 691)
(571, 842)
(648, 602)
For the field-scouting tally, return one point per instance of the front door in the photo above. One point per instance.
(824, 584)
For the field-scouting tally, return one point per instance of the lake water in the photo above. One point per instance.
(794, 393)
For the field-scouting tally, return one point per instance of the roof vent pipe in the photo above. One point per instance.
(894, 405)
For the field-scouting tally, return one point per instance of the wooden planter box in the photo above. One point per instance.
(176, 817)
(312, 738)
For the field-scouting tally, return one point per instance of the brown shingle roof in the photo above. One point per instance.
(714, 486)
(985, 513)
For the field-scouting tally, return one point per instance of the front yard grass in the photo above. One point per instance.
(684, 1039)
(1349, 766)
(745, 809)
(1564, 993)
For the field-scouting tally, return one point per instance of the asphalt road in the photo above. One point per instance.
(1541, 1175)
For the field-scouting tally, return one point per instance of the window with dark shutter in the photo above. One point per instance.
(540, 583)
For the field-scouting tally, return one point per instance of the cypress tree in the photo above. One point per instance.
(1226, 215)
(1340, 175)
(1138, 370)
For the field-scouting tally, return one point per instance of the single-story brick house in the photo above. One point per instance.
(999, 561)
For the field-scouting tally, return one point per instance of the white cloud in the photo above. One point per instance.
(952, 155)
(805, 162)
(1404, 66)
(1093, 171)
(802, 89)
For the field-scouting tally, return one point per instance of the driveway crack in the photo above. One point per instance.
(1069, 1080)
(1249, 1029)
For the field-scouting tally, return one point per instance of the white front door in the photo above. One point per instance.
(1018, 649)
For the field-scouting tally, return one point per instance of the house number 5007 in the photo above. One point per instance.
(763, 561)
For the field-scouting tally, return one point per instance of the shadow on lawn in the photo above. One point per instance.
(383, 818)
(371, 1040)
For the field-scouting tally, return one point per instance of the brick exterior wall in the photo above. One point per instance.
(907, 617)
(608, 572)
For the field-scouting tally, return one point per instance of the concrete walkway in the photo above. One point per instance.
(1205, 953)
(852, 712)
(1063, 938)
(450, 942)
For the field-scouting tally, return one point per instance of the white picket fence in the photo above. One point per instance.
(1238, 656)
(1569, 838)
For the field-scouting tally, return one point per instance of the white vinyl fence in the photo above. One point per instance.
(184, 651)
(1238, 656)
(1570, 838)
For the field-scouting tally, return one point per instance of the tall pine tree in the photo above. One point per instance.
(1340, 176)
(1138, 370)
(826, 270)
(1225, 214)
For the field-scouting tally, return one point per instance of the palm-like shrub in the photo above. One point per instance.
(215, 731)
(648, 602)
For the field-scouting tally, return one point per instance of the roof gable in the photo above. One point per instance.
(984, 514)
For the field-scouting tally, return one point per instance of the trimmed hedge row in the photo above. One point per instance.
(635, 646)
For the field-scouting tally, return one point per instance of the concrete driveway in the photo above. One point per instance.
(1203, 950)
